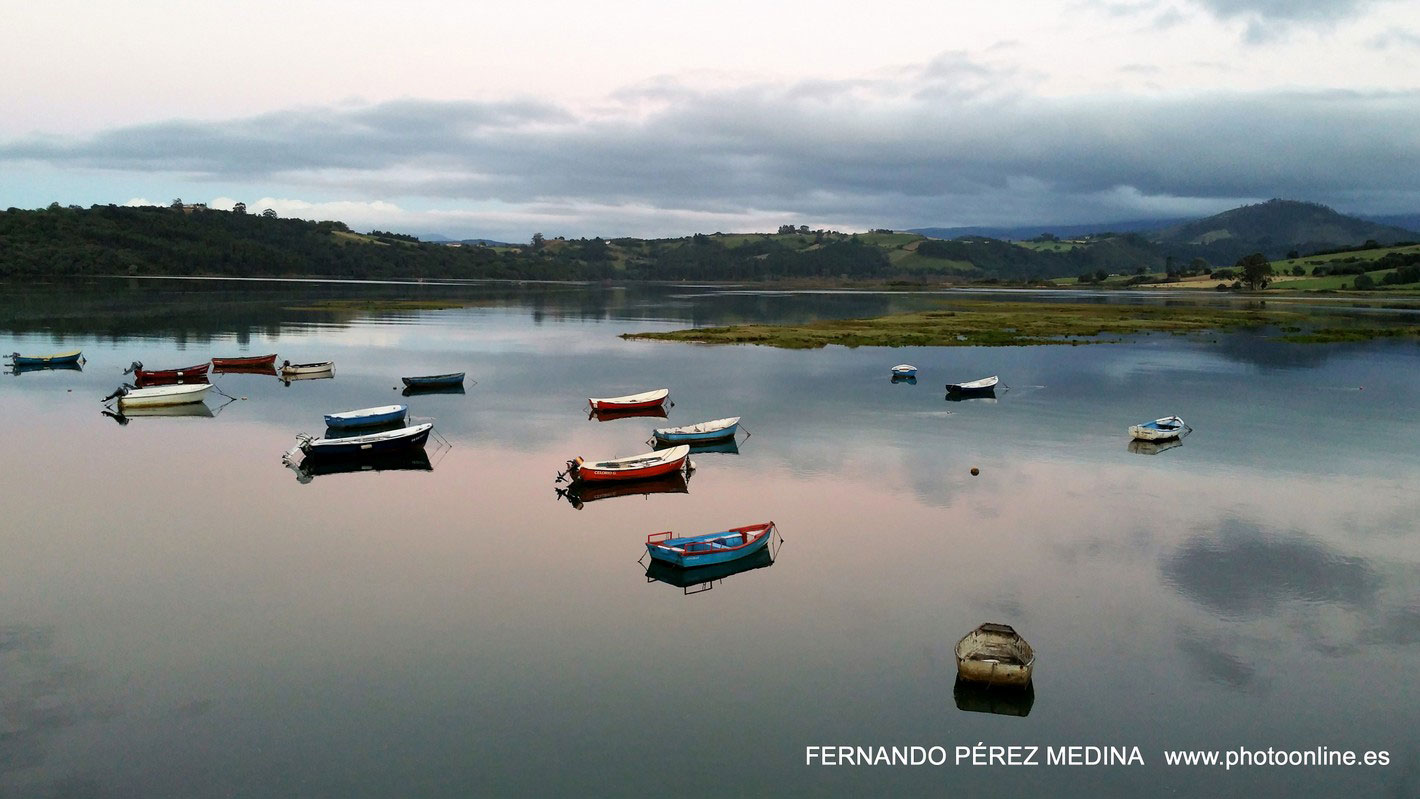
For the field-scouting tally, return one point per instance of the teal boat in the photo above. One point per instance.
(56, 359)
(705, 550)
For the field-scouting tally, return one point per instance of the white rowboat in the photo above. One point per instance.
(156, 396)
(1159, 429)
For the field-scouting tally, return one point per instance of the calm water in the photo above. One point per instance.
(181, 616)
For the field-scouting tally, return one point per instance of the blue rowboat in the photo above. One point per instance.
(704, 431)
(904, 370)
(704, 550)
(404, 438)
(703, 578)
(57, 358)
(366, 417)
(434, 381)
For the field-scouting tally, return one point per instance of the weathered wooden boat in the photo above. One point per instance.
(985, 385)
(159, 376)
(631, 467)
(289, 369)
(367, 417)
(703, 578)
(245, 361)
(658, 412)
(1001, 700)
(995, 654)
(434, 381)
(711, 548)
(631, 402)
(370, 444)
(158, 396)
(72, 356)
(580, 493)
(1139, 447)
(904, 370)
(1159, 429)
(698, 433)
(410, 460)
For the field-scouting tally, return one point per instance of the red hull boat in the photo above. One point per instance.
(635, 467)
(631, 402)
(245, 361)
(187, 374)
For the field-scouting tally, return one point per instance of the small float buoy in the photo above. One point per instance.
(243, 397)
(975, 471)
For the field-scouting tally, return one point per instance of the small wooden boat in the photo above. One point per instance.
(631, 402)
(986, 385)
(632, 467)
(995, 654)
(367, 417)
(289, 369)
(904, 370)
(434, 381)
(372, 444)
(245, 361)
(157, 396)
(703, 431)
(711, 548)
(703, 578)
(57, 358)
(167, 375)
(1159, 429)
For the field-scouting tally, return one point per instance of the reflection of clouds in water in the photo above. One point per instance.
(1245, 571)
(40, 699)
(1211, 657)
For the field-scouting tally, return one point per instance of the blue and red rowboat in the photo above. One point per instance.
(245, 362)
(57, 358)
(633, 467)
(366, 417)
(695, 433)
(703, 550)
(631, 402)
(904, 370)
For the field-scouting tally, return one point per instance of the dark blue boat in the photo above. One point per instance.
(367, 417)
(432, 381)
(371, 444)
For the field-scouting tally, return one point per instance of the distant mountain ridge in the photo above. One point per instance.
(1023, 232)
(1275, 228)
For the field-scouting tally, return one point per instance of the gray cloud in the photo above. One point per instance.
(1245, 571)
(949, 142)
(1310, 10)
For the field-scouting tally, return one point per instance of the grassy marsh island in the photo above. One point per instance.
(981, 323)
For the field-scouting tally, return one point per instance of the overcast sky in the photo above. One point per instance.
(631, 117)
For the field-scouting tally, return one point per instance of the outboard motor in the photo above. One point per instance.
(133, 367)
(118, 392)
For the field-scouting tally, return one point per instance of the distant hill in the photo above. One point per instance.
(1275, 228)
(1063, 231)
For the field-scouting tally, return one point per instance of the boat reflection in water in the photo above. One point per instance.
(580, 493)
(726, 446)
(24, 368)
(192, 410)
(910, 380)
(658, 412)
(700, 579)
(267, 370)
(1002, 700)
(1139, 447)
(410, 391)
(984, 397)
(411, 460)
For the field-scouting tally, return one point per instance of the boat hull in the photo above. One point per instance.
(663, 572)
(293, 369)
(369, 417)
(163, 396)
(161, 376)
(434, 381)
(374, 444)
(1158, 430)
(722, 428)
(995, 654)
(56, 359)
(631, 402)
(245, 361)
(711, 549)
(986, 385)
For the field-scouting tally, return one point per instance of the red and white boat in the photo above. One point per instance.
(631, 402)
(633, 467)
(244, 361)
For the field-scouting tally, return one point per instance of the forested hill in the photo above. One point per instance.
(120, 240)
